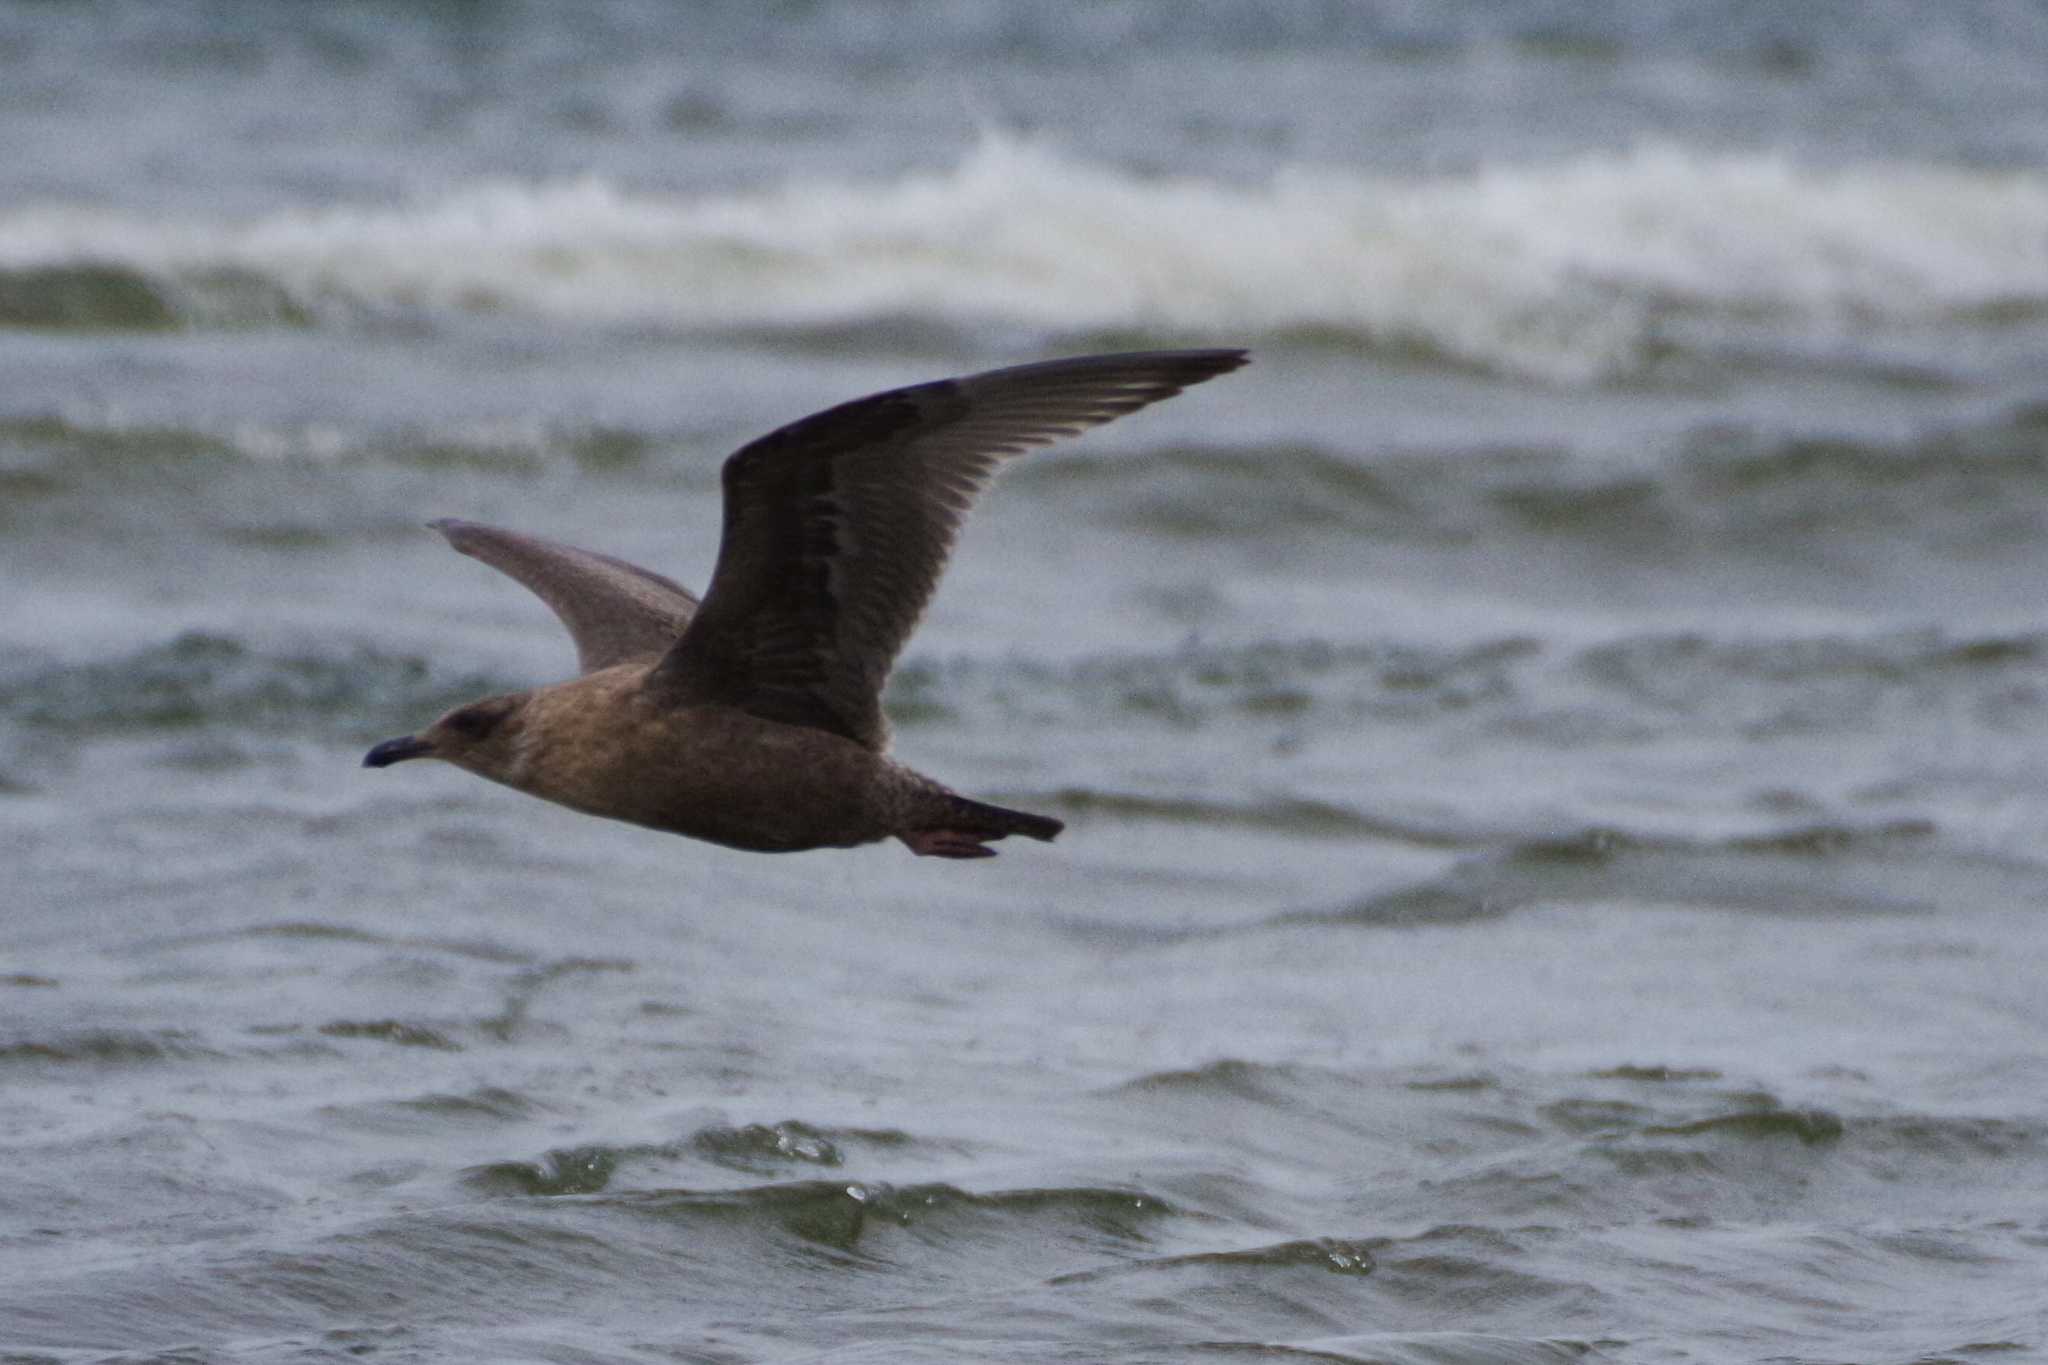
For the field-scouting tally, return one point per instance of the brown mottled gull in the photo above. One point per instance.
(753, 718)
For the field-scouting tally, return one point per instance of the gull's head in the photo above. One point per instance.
(481, 737)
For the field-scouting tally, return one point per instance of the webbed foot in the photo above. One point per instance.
(946, 843)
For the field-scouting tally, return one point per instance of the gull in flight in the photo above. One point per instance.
(753, 718)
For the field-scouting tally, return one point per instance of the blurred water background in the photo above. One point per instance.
(1556, 753)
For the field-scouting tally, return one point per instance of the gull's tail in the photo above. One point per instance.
(995, 822)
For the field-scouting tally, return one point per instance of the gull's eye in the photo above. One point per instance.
(473, 722)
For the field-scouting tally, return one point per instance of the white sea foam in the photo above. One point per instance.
(1563, 271)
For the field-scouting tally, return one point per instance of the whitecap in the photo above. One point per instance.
(1570, 271)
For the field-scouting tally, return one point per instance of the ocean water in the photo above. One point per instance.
(1555, 753)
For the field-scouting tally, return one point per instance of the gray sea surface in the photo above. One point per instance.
(1555, 754)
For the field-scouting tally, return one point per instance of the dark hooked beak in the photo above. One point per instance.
(397, 751)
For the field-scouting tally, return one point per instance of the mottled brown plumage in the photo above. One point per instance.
(754, 718)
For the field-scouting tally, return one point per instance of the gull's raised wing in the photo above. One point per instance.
(838, 526)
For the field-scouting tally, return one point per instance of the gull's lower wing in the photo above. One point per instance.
(615, 611)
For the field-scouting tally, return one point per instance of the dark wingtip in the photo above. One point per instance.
(1176, 371)
(1197, 366)
(461, 535)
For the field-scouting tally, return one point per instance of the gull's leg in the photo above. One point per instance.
(946, 843)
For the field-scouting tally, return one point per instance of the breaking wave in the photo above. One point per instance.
(1582, 270)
